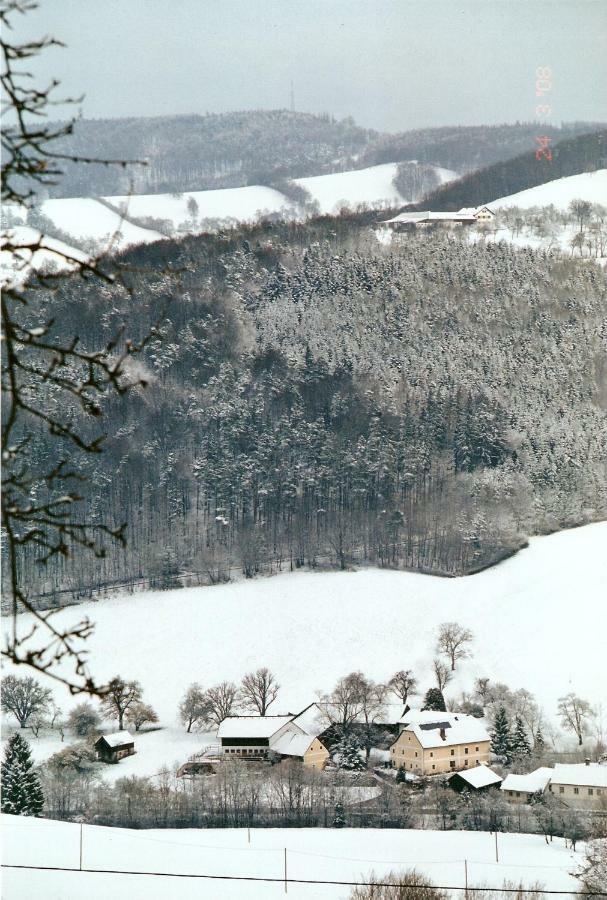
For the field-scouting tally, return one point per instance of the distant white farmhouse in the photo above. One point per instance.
(575, 784)
(465, 216)
(521, 788)
(290, 736)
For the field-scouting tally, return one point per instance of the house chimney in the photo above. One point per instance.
(443, 734)
(587, 760)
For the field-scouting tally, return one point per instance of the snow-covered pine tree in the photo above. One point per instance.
(339, 819)
(21, 790)
(434, 700)
(519, 743)
(347, 753)
(539, 743)
(502, 739)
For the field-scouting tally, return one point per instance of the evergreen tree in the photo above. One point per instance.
(502, 739)
(339, 820)
(21, 791)
(519, 744)
(539, 744)
(434, 700)
(347, 751)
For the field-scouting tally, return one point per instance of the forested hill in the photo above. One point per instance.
(318, 399)
(466, 149)
(264, 146)
(585, 153)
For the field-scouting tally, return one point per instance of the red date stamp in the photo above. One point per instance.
(543, 86)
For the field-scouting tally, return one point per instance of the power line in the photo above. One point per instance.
(258, 878)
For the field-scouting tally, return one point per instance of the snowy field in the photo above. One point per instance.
(312, 854)
(539, 621)
(590, 186)
(86, 219)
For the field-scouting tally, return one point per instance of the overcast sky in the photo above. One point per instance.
(391, 64)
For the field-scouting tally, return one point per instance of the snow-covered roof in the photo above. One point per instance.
(529, 783)
(591, 774)
(310, 720)
(252, 726)
(445, 729)
(430, 216)
(292, 744)
(118, 738)
(479, 776)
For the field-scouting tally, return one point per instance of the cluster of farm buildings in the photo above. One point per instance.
(427, 743)
(467, 216)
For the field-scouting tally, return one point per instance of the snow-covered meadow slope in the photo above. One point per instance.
(90, 219)
(328, 854)
(590, 186)
(539, 621)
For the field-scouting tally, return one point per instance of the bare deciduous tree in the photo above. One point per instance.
(453, 641)
(403, 684)
(193, 709)
(83, 719)
(575, 715)
(139, 714)
(259, 690)
(221, 702)
(38, 363)
(120, 696)
(343, 706)
(24, 697)
(442, 674)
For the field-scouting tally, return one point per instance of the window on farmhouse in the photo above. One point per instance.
(590, 792)
(476, 748)
(466, 750)
(576, 790)
(452, 763)
(561, 790)
(453, 753)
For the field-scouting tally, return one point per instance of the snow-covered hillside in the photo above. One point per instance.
(539, 621)
(312, 854)
(88, 219)
(590, 186)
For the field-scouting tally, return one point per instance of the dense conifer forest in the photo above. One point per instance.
(584, 153)
(317, 399)
(263, 146)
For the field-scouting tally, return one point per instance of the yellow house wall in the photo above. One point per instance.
(316, 756)
(408, 753)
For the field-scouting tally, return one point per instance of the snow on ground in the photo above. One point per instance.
(87, 219)
(312, 854)
(591, 186)
(372, 185)
(539, 621)
(51, 255)
(245, 204)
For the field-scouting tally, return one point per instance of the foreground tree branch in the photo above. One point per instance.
(50, 384)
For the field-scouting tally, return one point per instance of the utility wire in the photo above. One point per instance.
(255, 878)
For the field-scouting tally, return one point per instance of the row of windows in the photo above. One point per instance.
(466, 750)
(576, 790)
(244, 750)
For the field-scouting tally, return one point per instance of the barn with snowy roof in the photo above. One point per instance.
(111, 748)
(292, 736)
